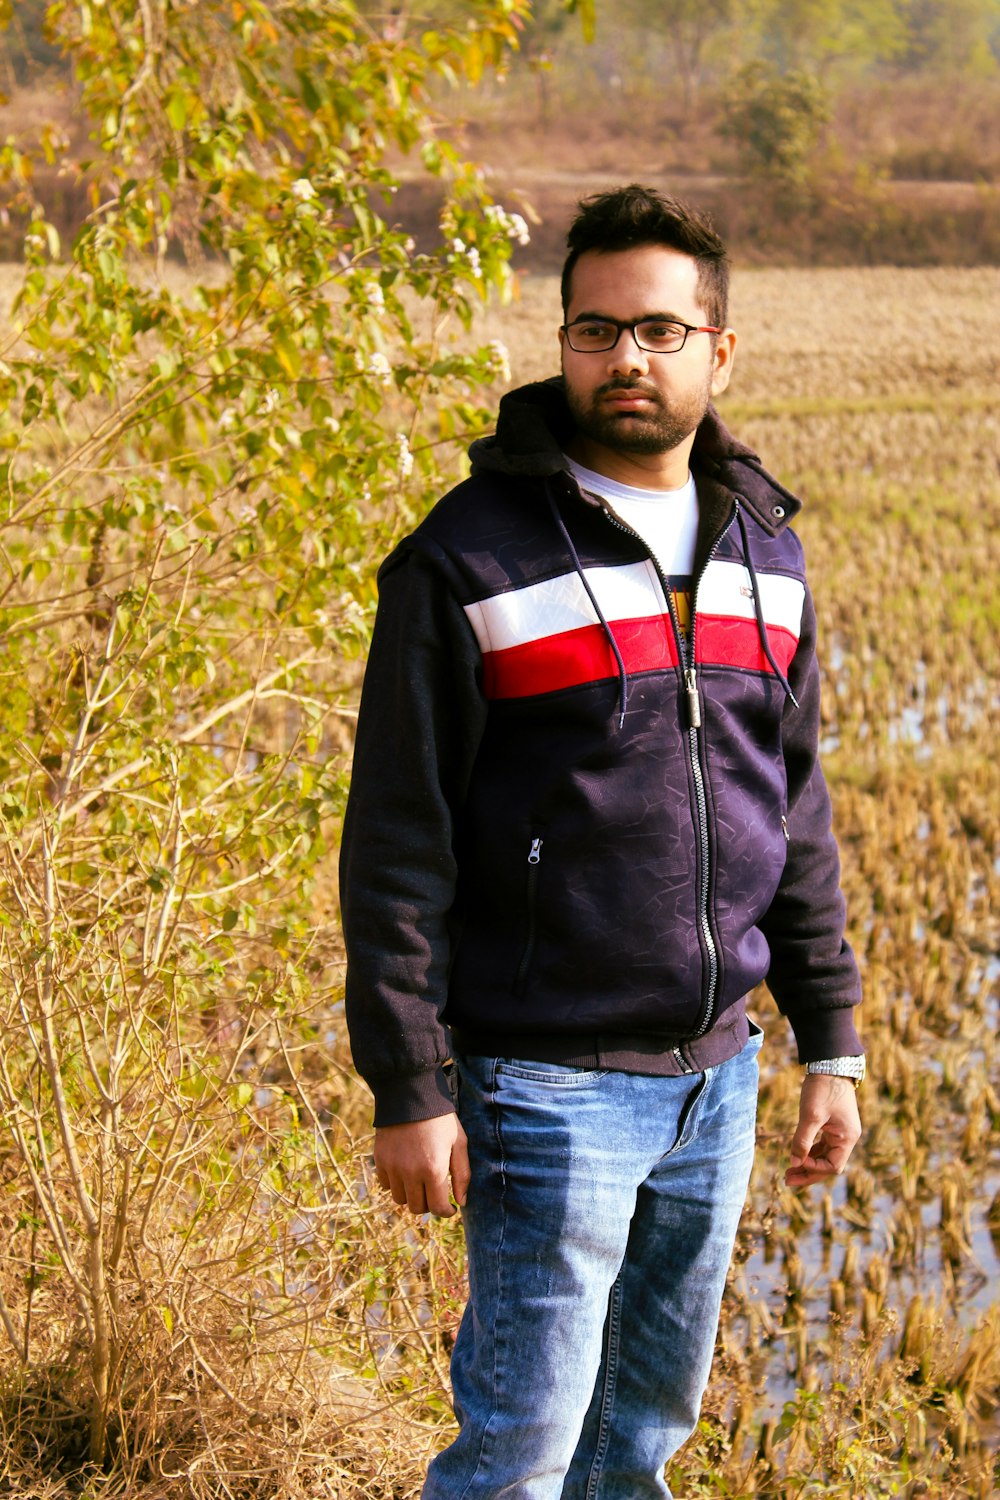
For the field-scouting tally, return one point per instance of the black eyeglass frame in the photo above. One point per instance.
(633, 329)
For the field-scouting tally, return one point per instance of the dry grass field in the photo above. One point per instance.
(859, 1353)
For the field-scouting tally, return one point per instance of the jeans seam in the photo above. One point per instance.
(608, 1394)
(502, 1163)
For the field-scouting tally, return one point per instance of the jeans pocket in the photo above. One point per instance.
(550, 1074)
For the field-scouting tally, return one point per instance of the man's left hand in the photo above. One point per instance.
(828, 1130)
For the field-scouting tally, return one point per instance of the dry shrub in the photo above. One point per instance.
(284, 1335)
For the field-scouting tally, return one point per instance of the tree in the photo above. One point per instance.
(952, 36)
(687, 27)
(26, 49)
(776, 119)
(817, 34)
(198, 470)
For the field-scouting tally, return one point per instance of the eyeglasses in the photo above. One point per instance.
(654, 335)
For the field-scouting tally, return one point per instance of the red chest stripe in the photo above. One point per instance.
(736, 643)
(573, 657)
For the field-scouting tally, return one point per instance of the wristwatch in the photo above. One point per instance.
(853, 1068)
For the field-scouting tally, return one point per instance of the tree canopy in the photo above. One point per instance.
(199, 469)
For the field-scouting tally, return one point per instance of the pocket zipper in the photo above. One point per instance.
(534, 860)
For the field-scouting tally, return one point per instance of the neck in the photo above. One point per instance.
(647, 471)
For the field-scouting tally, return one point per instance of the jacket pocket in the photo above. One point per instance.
(531, 916)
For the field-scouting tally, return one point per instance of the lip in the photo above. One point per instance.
(628, 400)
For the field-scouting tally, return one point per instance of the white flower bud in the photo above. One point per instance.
(404, 460)
(499, 359)
(380, 367)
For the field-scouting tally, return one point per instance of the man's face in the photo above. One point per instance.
(627, 403)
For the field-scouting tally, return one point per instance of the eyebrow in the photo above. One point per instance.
(603, 317)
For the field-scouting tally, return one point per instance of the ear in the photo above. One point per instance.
(725, 353)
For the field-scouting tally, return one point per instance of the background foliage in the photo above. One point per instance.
(198, 474)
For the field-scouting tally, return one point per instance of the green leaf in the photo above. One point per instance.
(586, 10)
(288, 354)
(178, 107)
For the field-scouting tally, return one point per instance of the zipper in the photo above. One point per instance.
(700, 797)
(534, 860)
(685, 651)
(694, 705)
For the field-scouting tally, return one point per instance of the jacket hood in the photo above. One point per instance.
(534, 426)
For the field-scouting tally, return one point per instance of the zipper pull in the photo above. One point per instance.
(694, 706)
(535, 852)
(784, 828)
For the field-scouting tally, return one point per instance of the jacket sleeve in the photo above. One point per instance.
(421, 717)
(813, 974)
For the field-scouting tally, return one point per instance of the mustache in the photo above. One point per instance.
(627, 386)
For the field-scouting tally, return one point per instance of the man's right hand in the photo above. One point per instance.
(417, 1162)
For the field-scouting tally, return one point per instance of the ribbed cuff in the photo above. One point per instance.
(403, 1099)
(826, 1033)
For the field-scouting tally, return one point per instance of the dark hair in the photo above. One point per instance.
(633, 216)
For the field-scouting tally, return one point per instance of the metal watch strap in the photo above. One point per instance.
(841, 1067)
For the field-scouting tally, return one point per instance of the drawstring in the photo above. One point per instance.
(758, 610)
(622, 674)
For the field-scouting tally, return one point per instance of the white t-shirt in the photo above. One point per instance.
(666, 520)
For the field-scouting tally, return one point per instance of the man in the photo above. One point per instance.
(587, 819)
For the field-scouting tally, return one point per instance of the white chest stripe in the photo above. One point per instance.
(631, 592)
(725, 590)
(539, 609)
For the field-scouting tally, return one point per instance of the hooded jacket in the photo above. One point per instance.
(575, 833)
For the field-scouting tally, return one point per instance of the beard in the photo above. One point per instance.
(654, 431)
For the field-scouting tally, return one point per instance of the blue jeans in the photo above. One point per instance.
(600, 1223)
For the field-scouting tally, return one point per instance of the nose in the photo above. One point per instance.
(626, 358)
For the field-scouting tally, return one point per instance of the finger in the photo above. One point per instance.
(804, 1139)
(828, 1157)
(838, 1154)
(805, 1179)
(438, 1198)
(809, 1172)
(834, 1143)
(461, 1172)
(416, 1198)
